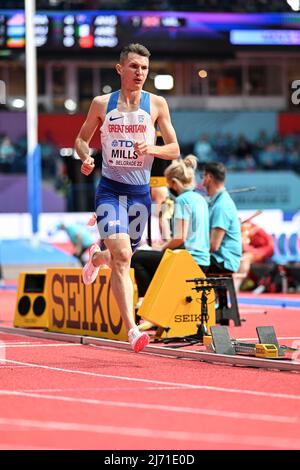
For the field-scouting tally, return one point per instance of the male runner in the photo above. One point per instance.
(128, 119)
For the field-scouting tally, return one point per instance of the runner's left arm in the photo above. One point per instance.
(170, 150)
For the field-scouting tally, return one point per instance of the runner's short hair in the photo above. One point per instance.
(136, 49)
(216, 169)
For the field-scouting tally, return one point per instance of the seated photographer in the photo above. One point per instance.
(190, 224)
(258, 246)
(225, 230)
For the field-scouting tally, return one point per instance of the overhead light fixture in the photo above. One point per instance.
(66, 152)
(70, 105)
(18, 103)
(294, 4)
(164, 82)
(2, 92)
(202, 73)
(107, 89)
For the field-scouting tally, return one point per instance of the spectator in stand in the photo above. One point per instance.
(269, 158)
(264, 153)
(235, 164)
(7, 154)
(229, 143)
(292, 158)
(243, 147)
(262, 141)
(49, 154)
(203, 149)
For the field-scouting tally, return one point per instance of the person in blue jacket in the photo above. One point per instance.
(225, 227)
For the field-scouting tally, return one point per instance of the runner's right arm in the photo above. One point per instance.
(170, 150)
(85, 135)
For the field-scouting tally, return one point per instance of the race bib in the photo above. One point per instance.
(122, 153)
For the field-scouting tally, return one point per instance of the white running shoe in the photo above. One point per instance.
(137, 339)
(90, 272)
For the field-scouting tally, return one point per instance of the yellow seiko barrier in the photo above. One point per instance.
(165, 303)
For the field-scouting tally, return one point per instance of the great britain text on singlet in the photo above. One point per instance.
(127, 128)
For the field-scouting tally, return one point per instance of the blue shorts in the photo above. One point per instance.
(122, 208)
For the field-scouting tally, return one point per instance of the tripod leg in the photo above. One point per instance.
(202, 328)
(222, 307)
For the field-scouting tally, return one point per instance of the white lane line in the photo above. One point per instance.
(262, 309)
(18, 342)
(24, 447)
(7, 366)
(278, 337)
(152, 353)
(39, 345)
(101, 389)
(157, 434)
(159, 382)
(16, 335)
(244, 309)
(158, 407)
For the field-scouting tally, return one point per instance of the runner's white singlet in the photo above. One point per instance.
(119, 132)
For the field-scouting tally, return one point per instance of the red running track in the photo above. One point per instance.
(56, 395)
